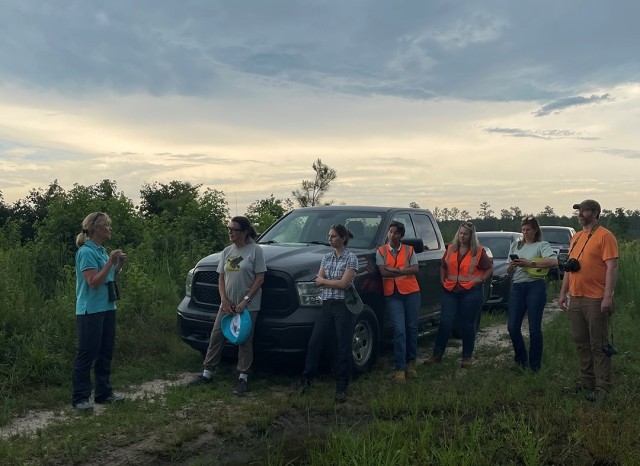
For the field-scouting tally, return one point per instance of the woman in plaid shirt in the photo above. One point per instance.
(335, 276)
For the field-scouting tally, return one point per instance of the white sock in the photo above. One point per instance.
(207, 374)
(244, 377)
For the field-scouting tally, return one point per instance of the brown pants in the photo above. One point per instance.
(590, 333)
(217, 341)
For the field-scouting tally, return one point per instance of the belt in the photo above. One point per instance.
(333, 301)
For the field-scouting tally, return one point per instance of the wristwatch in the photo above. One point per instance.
(533, 263)
(247, 298)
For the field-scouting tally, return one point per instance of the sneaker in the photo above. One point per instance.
(595, 395)
(398, 376)
(466, 363)
(433, 360)
(241, 388)
(304, 386)
(200, 380)
(341, 397)
(83, 406)
(411, 371)
(113, 398)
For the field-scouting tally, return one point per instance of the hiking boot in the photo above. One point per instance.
(398, 376)
(466, 363)
(304, 386)
(341, 397)
(433, 359)
(113, 398)
(411, 371)
(242, 387)
(200, 380)
(83, 406)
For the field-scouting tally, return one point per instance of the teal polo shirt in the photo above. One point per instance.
(92, 300)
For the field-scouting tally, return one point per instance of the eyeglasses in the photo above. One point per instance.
(468, 225)
(530, 217)
(231, 229)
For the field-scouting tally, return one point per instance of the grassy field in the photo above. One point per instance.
(490, 414)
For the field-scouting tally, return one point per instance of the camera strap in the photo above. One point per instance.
(585, 243)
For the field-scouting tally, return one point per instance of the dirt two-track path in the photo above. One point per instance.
(138, 453)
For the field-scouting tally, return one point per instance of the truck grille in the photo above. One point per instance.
(279, 295)
(205, 289)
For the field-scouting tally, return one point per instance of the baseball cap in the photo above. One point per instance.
(589, 204)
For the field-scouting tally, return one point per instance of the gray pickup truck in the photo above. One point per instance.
(293, 248)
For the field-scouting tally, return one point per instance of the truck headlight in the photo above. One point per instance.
(309, 294)
(189, 283)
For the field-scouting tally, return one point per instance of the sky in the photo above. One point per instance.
(443, 103)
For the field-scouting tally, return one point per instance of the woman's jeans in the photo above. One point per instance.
(403, 314)
(334, 320)
(463, 304)
(529, 297)
(96, 336)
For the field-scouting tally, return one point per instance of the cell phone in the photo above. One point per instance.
(513, 257)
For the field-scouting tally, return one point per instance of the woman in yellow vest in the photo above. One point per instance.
(464, 269)
(398, 266)
(531, 260)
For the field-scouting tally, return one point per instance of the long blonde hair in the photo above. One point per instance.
(474, 244)
(89, 225)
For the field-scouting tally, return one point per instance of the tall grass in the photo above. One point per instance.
(494, 415)
(37, 318)
(489, 414)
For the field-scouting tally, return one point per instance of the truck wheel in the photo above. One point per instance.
(365, 341)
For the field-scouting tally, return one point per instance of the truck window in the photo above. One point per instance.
(426, 231)
(363, 229)
(405, 219)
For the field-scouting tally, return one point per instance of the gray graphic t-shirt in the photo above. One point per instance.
(240, 266)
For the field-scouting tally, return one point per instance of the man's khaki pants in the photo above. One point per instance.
(590, 333)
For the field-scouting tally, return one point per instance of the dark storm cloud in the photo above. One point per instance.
(497, 50)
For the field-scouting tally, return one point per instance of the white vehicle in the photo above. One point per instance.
(560, 240)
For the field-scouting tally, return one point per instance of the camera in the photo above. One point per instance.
(609, 350)
(571, 265)
(114, 292)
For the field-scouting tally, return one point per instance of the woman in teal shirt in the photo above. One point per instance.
(96, 294)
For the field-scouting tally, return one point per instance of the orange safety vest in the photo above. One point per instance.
(467, 271)
(406, 283)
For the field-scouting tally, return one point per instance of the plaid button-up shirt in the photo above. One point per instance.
(334, 268)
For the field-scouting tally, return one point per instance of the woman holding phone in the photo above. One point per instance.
(530, 258)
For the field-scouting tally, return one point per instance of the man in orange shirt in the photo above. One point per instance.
(590, 278)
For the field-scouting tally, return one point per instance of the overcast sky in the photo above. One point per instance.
(442, 103)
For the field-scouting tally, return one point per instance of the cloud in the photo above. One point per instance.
(624, 153)
(568, 102)
(548, 134)
(494, 50)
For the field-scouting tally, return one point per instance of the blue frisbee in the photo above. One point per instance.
(236, 327)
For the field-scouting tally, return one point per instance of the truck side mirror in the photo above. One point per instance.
(417, 243)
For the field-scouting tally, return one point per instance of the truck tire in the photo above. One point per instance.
(365, 341)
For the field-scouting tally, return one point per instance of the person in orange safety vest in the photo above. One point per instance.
(464, 269)
(398, 266)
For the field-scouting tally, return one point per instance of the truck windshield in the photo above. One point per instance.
(556, 236)
(312, 226)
